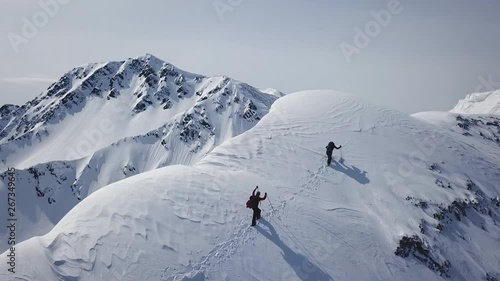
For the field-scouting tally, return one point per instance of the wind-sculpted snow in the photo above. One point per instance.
(403, 200)
(104, 122)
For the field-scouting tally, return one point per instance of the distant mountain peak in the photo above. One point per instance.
(141, 93)
(148, 57)
(479, 103)
(139, 83)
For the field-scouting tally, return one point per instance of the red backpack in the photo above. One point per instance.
(249, 203)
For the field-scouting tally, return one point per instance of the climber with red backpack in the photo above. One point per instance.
(253, 203)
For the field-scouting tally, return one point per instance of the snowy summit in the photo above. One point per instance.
(163, 194)
(479, 103)
(104, 122)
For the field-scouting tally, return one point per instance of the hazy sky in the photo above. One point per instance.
(426, 56)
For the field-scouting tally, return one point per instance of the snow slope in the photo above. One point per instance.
(103, 122)
(472, 128)
(406, 201)
(475, 119)
(479, 103)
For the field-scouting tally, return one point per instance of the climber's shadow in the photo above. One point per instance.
(305, 269)
(351, 171)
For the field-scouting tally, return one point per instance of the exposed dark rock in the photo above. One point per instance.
(490, 277)
(440, 183)
(415, 247)
(488, 127)
(435, 167)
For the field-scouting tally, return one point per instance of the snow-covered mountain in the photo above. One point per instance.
(476, 118)
(476, 128)
(403, 200)
(96, 105)
(479, 103)
(103, 122)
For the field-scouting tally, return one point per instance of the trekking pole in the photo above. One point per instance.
(270, 204)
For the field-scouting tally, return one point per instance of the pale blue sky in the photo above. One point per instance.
(430, 54)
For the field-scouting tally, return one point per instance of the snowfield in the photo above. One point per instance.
(403, 200)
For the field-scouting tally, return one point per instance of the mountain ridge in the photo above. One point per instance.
(430, 210)
(146, 79)
(73, 139)
(137, 170)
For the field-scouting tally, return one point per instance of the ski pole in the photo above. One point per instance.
(271, 204)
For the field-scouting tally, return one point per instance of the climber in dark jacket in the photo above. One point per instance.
(329, 151)
(254, 201)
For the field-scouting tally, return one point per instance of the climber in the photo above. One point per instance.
(329, 151)
(253, 203)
